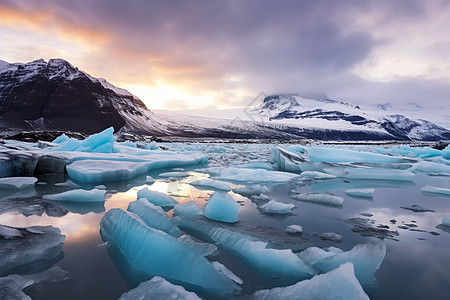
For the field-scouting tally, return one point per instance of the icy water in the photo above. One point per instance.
(416, 265)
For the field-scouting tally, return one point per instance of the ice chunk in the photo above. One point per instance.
(366, 193)
(149, 180)
(158, 288)
(61, 139)
(436, 190)
(157, 198)
(316, 175)
(78, 195)
(335, 155)
(268, 262)
(313, 255)
(215, 184)
(102, 142)
(407, 150)
(11, 286)
(294, 229)
(251, 190)
(189, 209)
(366, 258)
(340, 283)
(177, 175)
(371, 173)
(318, 198)
(204, 249)
(446, 220)
(227, 272)
(275, 207)
(255, 175)
(17, 183)
(331, 236)
(431, 168)
(222, 207)
(29, 250)
(286, 160)
(153, 216)
(156, 253)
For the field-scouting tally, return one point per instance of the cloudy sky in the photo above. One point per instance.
(222, 54)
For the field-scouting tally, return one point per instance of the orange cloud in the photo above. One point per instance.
(46, 22)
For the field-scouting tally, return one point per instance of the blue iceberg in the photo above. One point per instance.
(222, 207)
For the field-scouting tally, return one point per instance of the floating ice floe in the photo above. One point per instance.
(158, 288)
(318, 198)
(365, 193)
(331, 236)
(268, 262)
(17, 183)
(406, 150)
(316, 175)
(371, 173)
(11, 286)
(294, 229)
(286, 160)
(177, 175)
(211, 183)
(149, 180)
(157, 198)
(153, 216)
(431, 168)
(251, 190)
(275, 207)
(436, 190)
(78, 195)
(340, 283)
(446, 220)
(366, 258)
(156, 253)
(35, 248)
(188, 209)
(222, 207)
(254, 175)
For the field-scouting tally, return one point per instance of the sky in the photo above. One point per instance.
(220, 54)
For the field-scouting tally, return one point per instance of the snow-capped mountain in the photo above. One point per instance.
(55, 95)
(321, 112)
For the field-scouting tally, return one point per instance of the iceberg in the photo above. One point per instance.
(431, 168)
(222, 207)
(158, 288)
(210, 183)
(366, 258)
(157, 198)
(436, 190)
(153, 216)
(29, 250)
(78, 195)
(149, 180)
(318, 198)
(156, 253)
(254, 175)
(102, 142)
(294, 229)
(61, 139)
(364, 193)
(335, 155)
(11, 286)
(340, 283)
(315, 175)
(331, 236)
(251, 190)
(269, 263)
(188, 209)
(275, 207)
(17, 183)
(313, 255)
(286, 160)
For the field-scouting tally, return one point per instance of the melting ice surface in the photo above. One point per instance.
(220, 220)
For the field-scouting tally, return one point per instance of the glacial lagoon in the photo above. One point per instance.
(391, 208)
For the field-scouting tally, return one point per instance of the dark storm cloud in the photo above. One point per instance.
(274, 45)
